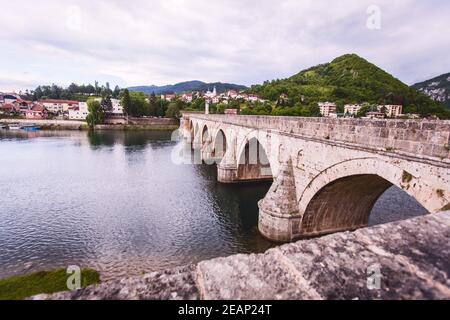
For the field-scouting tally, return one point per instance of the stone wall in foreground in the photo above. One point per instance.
(412, 255)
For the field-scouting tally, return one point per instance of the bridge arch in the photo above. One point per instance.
(196, 130)
(206, 134)
(253, 162)
(191, 131)
(342, 197)
(220, 146)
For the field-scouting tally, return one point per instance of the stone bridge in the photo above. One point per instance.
(327, 173)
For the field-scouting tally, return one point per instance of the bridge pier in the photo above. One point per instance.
(227, 169)
(227, 173)
(279, 216)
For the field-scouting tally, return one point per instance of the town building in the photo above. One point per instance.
(391, 111)
(375, 115)
(58, 106)
(117, 108)
(283, 98)
(169, 97)
(8, 98)
(327, 109)
(232, 94)
(79, 112)
(187, 97)
(352, 109)
(252, 98)
(36, 112)
(231, 111)
(413, 116)
(8, 109)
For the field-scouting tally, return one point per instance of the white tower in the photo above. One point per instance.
(207, 107)
(214, 92)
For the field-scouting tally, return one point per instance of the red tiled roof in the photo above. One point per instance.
(7, 106)
(38, 108)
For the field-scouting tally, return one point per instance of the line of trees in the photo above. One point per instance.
(137, 104)
(72, 92)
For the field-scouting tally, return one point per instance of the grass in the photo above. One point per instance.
(21, 287)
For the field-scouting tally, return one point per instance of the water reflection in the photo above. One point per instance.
(116, 202)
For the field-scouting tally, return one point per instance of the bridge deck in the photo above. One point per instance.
(419, 138)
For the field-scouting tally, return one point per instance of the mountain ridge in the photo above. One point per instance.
(188, 86)
(437, 88)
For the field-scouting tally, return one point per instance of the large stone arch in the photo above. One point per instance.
(342, 197)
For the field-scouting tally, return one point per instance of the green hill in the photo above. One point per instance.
(349, 79)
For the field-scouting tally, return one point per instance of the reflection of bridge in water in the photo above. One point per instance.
(328, 173)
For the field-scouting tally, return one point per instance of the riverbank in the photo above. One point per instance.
(21, 287)
(400, 260)
(133, 125)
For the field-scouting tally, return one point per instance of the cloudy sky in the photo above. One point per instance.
(139, 42)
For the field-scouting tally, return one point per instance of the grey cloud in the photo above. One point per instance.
(145, 42)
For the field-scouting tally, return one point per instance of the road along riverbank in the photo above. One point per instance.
(157, 124)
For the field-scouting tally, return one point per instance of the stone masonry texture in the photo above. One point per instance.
(413, 257)
(328, 172)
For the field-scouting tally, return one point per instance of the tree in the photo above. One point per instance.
(116, 92)
(153, 105)
(106, 104)
(363, 111)
(95, 115)
(173, 111)
(126, 101)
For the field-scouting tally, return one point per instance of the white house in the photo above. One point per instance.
(252, 98)
(80, 112)
(117, 109)
(327, 109)
(392, 111)
(8, 98)
(215, 99)
(168, 97)
(352, 109)
(232, 94)
(187, 97)
(58, 106)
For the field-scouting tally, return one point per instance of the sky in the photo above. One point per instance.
(145, 42)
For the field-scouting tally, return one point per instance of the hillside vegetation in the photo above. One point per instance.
(347, 79)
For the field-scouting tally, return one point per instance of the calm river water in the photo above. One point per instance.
(115, 202)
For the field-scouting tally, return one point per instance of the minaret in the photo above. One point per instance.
(215, 92)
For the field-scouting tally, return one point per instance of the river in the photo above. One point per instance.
(115, 202)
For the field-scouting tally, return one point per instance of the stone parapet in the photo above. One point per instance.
(418, 137)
